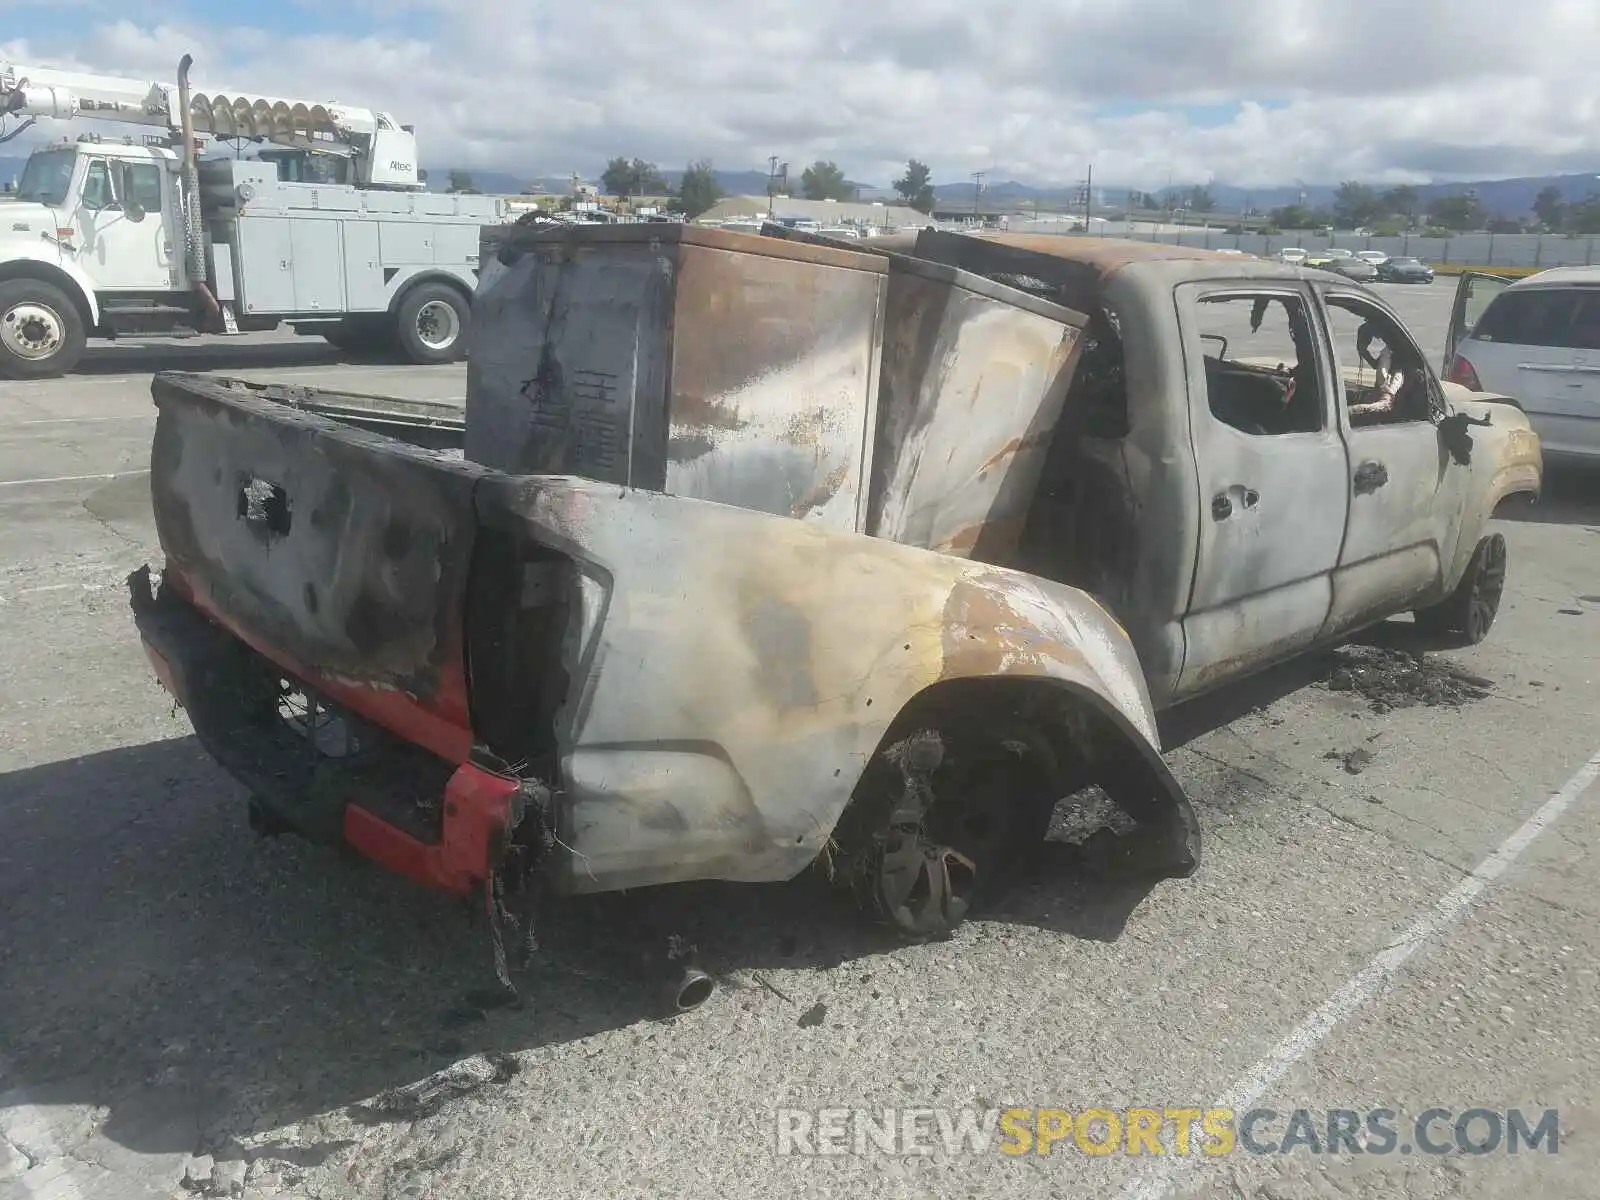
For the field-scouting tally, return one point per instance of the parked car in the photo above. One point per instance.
(1537, 339)
(1292, 254)
(1346, 264)
(766, 556)
(1328, 254)
(1376, 257)
(1405, 270)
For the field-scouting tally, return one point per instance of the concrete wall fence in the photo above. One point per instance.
(1529, 251)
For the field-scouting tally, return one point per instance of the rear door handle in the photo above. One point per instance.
(1370, 476)
(1222, 502)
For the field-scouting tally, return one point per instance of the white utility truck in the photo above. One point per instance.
(327, 227)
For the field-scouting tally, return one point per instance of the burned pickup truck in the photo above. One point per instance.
(761, 554)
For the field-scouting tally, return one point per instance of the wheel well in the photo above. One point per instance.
(25, 268)
(1075, 735)
(419, 280)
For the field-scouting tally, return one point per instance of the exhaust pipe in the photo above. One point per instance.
(690, 989)
(194, 242)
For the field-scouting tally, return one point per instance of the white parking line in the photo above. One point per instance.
(4, 483)
(1451, 907)
(138, 416)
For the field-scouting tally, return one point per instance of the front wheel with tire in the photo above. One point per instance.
(1468, 613)
(432, 323)
(41, 331)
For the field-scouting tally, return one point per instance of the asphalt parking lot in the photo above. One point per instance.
(1396, 910)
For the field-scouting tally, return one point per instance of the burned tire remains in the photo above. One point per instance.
(960, 794)
(1468, 613)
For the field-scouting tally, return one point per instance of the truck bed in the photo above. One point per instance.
(445, 665)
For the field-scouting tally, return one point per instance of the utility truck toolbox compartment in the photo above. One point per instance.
(701, 363)
(789, 376)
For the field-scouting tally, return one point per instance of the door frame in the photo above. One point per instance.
(1457, 331)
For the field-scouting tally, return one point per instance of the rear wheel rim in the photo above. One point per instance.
(32, 331)
(1487, 588)
(438, 325)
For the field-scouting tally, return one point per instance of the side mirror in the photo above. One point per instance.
(133, 211)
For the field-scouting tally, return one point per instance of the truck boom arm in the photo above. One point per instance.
(42, 92)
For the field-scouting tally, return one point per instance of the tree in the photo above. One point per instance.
(1201, 200)
(1584, 218)
(698, 189)
(1456, 213)
(916, 186)
(824, 181)
(461, 181)
(1296, 216)
(1355, 204)
(1549, 206)
(1402, 201)
(632, 177)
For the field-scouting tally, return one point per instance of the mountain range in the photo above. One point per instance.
(1500, 197)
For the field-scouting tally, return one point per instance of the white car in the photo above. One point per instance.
(1292, 254)
(1376, 257)
(1538, 340)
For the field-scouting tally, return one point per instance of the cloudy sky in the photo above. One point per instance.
(1240, 91)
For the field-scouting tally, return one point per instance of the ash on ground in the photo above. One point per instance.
(1390, 679)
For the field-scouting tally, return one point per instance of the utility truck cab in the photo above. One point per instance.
(92, 222)
(326, 226)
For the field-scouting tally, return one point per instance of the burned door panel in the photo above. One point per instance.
(1406, 496)
(1271, 471)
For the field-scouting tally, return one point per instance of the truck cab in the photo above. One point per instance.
(92, 224)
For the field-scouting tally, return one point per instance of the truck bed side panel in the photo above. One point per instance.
(328, 546)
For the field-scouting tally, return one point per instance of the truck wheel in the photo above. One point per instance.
(432, 323)
(41, 333)
(984, 801)
(1468, 613)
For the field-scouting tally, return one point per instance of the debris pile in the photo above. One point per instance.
(1391, 679)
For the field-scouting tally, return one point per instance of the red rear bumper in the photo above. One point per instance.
(201, 663)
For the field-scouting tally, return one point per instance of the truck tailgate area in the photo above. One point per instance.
(343, 553)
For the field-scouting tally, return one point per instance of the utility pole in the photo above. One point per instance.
(977, 191)
(1088, 197)
(772, 181)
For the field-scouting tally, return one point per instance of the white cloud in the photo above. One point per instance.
(1321, 91)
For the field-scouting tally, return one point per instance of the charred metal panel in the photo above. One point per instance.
(973, 379)
(774, 375)
(722, 366)
(339, 549)
(568, 370)
(730, 673)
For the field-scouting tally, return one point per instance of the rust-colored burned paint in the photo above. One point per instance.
(748, 666)
(974, 377)
(692, 410)
(1016, 445)
(1104, 255)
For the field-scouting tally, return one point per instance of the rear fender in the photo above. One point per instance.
(709, 683)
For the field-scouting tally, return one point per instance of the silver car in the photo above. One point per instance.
(1537, 339)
